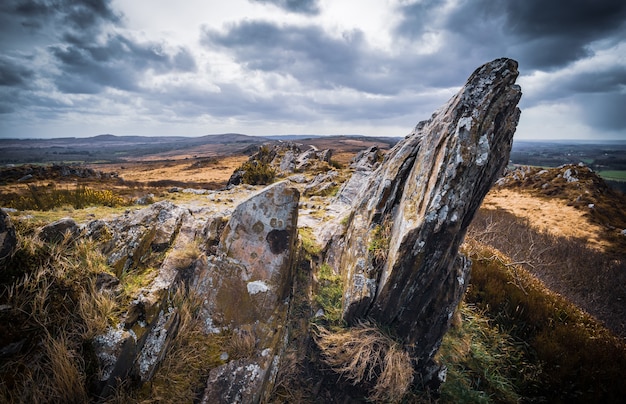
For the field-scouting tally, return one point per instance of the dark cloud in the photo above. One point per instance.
(117, 63)
(14, 74)
(86, 58)
(543, 34)
(319, 60)
(309, 7)
(83, 15)
(604, 111)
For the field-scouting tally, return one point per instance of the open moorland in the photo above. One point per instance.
(543, 320)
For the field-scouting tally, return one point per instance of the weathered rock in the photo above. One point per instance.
(364, 164)
(8, 240)
(261, 233)
(399, 256)
(322, 184)
(56, 231)
(137, 236)
(246, 285)
(136, 347)
(236, 382)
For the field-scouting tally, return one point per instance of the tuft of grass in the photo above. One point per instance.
(485, 364)
(309, 243)
(379, 243)
(367, 357)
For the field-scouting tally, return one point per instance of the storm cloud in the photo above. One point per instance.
(310, 7)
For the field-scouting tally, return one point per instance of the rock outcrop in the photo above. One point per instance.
(8, 241)
(284, 159)
(398, 256)
(242, 271)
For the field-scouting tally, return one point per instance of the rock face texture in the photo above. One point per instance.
(246, 287)
(398, 255)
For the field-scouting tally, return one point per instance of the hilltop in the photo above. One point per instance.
(337, 272)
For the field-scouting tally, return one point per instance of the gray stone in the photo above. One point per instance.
(56, 231)
(8, 239)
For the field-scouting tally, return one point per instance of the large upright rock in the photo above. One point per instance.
(246, 288)
(399, 256)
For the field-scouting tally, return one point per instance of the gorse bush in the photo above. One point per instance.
(257, 173)
(50, 197)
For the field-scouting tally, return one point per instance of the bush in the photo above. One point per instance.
(257, 173)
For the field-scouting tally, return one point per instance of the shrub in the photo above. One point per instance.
(582, 361)
(257, 173)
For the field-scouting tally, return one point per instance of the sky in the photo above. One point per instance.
(72, 68)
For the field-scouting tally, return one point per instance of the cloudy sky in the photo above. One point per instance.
(261, 67)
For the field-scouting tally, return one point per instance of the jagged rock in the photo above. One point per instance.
(322, 184)
(136, 347)
(56, 231)
(399, 256)
(363, 164)
(285, 158)
(136, 235)
(8, 239)
(236, 382)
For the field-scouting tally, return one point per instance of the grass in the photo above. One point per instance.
(615, 175)
(581, 360)
(589, 278)
(329, 294)
(379, 242)
(50, 197)
(52, 310)
(367, 357)
(484, 363)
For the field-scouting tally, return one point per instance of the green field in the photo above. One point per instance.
(614, 175)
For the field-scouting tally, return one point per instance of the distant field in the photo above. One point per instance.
(615, 175)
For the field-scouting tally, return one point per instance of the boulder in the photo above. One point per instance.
(138, 236)
(262, 232)
(8, 239)
(56, 231)
(399, 255)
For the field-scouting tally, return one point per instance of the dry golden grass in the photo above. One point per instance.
(550, 215)
(216, 170)
(364, 355)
